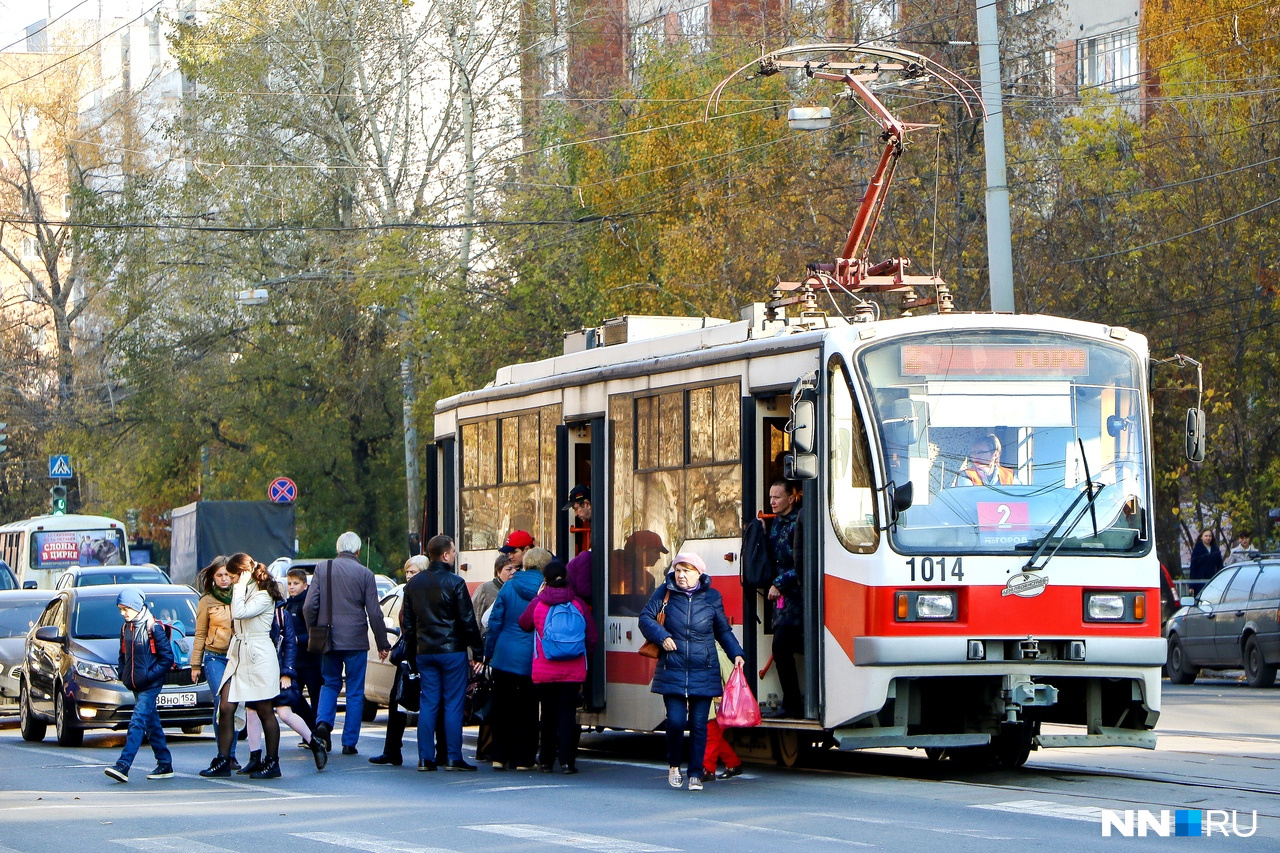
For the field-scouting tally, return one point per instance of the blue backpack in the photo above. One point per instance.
(564, 632)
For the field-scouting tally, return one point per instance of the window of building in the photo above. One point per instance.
(1108, 61)
(695, 27)
(1022, 7)
(647, 38)
(555, 70)
(30, 248)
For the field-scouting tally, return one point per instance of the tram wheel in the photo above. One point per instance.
(971, 758)
(934, 753)
(786, 748)
(1011, 756)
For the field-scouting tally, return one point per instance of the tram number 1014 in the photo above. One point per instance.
(935, 569)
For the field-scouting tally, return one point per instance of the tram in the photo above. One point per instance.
(976, 617)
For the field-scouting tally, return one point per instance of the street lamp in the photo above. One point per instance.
(251, 297)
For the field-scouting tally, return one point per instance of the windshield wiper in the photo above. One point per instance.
(1091, 492)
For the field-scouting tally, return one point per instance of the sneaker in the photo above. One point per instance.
(499, 765)
(695, 783)
(546, 768)
(526, 767)
(730, 772)
(219, 767)
(708, 775)
(120, 774)
(162, 771)
(459, 765)
(569, 771)
(674, 779)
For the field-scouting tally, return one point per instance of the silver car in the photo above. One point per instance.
(19, 610)
(380, 674)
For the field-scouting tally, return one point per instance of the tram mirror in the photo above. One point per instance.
(802, 426)
(900, 498)
(1195, 435)
(800, 466)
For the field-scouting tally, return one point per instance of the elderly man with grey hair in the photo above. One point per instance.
(344, 597)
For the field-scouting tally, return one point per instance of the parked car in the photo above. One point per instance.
(385, 585)
(1231, 624)
(8, 580)
(105, 575)
(19, 610)
(380, 674)
(69, 675)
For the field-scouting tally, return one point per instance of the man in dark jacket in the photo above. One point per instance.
(344, 596)
(785, 542)
(146, 657)
(439, 627)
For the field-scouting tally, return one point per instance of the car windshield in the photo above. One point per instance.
(1000, 432)
(98, 618)
(17, 617)
(105, 578)
(7, 580)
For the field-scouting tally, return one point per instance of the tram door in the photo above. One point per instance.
(580, 462)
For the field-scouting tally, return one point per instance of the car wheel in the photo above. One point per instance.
(1257, 671)
(1179, 670)
(369, 712)
(33, 730)
(192, 730)
(68, 734)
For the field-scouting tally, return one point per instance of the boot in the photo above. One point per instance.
(321, 732)
(270, 769)
(221, 766)
(318, 752)
(254, 765)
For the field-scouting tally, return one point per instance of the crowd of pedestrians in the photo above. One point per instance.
(529, 632)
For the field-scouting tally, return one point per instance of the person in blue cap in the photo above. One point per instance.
(146, 656)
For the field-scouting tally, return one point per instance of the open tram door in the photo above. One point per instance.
(581, 526)
(781, 453)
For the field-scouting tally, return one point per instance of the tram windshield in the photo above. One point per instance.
(1000, 434)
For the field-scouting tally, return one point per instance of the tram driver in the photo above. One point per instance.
(983, 467)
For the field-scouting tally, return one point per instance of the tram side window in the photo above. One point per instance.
(679, 478)
(852, 499)
(503, 484)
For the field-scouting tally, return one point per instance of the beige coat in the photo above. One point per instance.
(253, 670)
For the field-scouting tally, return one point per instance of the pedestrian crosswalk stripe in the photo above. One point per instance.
(1045, 808)
(170, 842)
(580, 840)
(367, 843)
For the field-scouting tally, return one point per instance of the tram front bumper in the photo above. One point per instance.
(1103, 651)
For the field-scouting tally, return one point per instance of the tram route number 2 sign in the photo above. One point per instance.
(1003, 515)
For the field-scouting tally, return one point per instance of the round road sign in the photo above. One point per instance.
(282, 490)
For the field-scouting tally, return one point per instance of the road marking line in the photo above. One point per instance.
(581, 840)
(368, 843)
(803, 836)
(1045, 808)
(120, 803)
(516, 788)
(969, 833)
(170, 842)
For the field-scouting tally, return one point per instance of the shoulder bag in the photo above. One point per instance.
(318, 636)
(650, 649)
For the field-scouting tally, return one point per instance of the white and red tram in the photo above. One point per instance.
(980, 616)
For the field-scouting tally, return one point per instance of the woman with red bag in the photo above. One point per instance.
(688, 674)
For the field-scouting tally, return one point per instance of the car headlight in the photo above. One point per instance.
(925, 606)
(1105, 607)
(96, 671)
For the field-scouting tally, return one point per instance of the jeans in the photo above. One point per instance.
(332, 665)
(214, 664)
(687, 712)
(444, 681)
(145, 720)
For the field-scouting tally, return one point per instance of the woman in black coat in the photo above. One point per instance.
(1206, 559)
(688, 671)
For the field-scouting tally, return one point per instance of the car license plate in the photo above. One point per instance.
(175, 700)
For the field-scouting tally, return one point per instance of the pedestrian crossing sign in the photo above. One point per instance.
(60, 466)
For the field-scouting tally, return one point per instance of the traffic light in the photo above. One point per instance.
(58, 500)
(3, 437)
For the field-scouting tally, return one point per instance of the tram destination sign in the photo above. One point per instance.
(994, 360)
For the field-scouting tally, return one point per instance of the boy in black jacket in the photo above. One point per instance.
(146, 656)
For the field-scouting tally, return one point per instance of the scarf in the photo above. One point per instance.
(223, 595)
(142, 625)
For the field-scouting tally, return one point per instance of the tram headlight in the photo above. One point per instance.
(932, 606)
(1105, 607)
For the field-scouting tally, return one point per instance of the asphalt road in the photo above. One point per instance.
(1219, 750)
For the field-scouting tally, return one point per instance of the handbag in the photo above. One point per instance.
(408, 692)
(477, 703)
(318, 635)
(650, 649)
(738, 708)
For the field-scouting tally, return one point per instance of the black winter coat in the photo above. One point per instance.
(438, 615)
(144, 664)
(285, 639)
(696, 622)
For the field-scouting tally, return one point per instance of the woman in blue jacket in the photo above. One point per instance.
(688, 671)
(509, 650)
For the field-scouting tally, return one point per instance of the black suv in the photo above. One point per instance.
(1232, 623)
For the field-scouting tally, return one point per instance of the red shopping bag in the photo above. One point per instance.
(738, 708)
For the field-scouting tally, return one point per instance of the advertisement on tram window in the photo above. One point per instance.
(58, 549)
